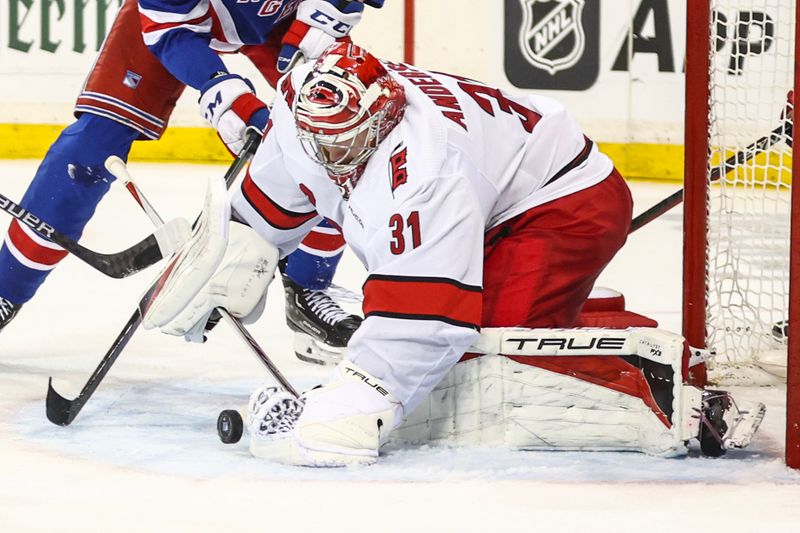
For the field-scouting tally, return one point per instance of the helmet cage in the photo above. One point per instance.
(342, 153)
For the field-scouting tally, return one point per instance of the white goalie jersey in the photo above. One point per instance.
(465, 158)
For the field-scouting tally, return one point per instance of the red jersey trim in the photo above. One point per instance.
(422, 298)
(275, 215)
(325, 242)
(149, 25)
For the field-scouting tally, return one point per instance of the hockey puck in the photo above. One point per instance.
(230, 426)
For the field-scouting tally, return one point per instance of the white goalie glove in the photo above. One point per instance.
(341, 423)
(273, 412)
(239, 285)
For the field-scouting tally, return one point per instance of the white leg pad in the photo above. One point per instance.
(496, 400)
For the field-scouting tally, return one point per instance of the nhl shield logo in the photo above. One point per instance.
(552, 37)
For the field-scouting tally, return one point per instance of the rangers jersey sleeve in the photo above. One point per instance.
(178, 32)
(186, 35)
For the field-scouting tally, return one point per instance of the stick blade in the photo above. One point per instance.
(58, 408)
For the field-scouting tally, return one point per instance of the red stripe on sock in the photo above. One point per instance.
(32, 250)
(324, 242)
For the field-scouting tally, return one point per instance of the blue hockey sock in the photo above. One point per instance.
(311, 271)
(68, 185)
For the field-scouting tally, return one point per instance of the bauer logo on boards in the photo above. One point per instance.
(552, 44)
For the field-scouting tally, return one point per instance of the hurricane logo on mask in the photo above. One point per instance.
(346, 107)
(325, 94)
(551, 36)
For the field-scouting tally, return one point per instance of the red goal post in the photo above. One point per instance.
(742, 233)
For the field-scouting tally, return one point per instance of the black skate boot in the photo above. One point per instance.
(713, 426)
(8, 311)
(322, 328)
(725, 425)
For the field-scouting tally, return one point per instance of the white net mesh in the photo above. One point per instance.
(752, 61)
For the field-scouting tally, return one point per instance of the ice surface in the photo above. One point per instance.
(144, 456)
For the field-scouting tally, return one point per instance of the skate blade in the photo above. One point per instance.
(310, 350)
(744, 426)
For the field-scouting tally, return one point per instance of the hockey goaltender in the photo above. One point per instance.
(483, 220)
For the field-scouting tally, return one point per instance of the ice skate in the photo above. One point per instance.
(322, 328)
(8, 311)
(726, 425)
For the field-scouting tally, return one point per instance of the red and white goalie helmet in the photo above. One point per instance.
(347, 105)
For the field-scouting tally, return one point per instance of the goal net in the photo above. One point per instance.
(740, 68)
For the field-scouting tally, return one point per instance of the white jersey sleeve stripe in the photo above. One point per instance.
(152, 37)
(227, 25)
(171, 17)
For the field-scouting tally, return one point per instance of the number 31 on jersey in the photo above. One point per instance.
(402, 227)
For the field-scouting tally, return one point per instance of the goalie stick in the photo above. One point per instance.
(784, 131)
(258, 352)
(62, 411)
(230, 424)
(160, 244)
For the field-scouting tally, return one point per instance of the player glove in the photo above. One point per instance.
(318, 24)
(239, 284)
(229, 103)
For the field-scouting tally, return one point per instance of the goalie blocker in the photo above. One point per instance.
(579, 389)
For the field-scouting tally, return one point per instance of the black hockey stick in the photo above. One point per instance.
(151, 250)
(784, 131)
(260, 354)
(60, 410)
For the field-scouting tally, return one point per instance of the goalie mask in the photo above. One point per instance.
(347, 105)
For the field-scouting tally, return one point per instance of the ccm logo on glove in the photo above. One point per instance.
(229, 103)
